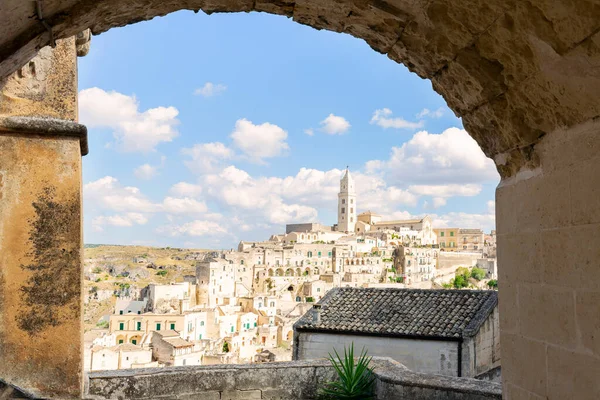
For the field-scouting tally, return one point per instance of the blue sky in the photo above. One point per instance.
(207, 130)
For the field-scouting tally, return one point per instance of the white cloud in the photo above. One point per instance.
(449, 158)
(309, 131)
(446, 190)
(145, 172)
(486, 221)
(210, 89)
(335, 125)
(259, 141)
(184, 205)
(491, 204)
(184, 189)
(108, 193)
(207, 157)
(195, 228)
(132, 129)
(431, 114)
(121, 220)
(439, 202)
(383, 118)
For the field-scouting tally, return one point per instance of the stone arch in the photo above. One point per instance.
(135, 339)
(279, 272)
(298, 272)
(289, 272)
(271, 272)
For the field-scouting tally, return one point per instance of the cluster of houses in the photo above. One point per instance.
(241, 306)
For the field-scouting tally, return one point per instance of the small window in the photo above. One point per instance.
(158, 327)
(139, 312)
(201, 323)
(232, 328)
(121, 326)
(351, 201)
(139, 326)
(451, 233)
(121, 312)
(351, 210)
(343, 210)
(120, 341)
(343, 201)
(442, 234)
(133, 341)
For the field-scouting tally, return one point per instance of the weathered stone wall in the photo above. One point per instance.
(429, 356)
(548, 226)
(481, 352)
(40, 261)
(298, 380)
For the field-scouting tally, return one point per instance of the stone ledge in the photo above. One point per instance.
(296, 380)
(45, 126)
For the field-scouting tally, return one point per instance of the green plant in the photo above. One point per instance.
(493, 284)
(310, 300)
(102, 324)
(162, 273)
(97, 270)
(225, 347)
(477, 273)
(355, 377)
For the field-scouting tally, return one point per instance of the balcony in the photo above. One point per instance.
(297, 380)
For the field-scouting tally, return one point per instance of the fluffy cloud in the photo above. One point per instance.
(449, 158)
(446, 190)
(383, 118)
(259, 141)
(145, 172)
(431, 114)
(108, 194)
(309, 131)
(122, 220)
(133, 130)
(184, 205)
(335, 125)
(184, 189)
(210, 89)
(207, 157)
(195, 228)
(486, 221)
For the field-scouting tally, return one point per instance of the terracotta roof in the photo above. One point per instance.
(450, 314)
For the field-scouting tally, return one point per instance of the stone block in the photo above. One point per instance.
(587, 305)
(547, 313)
(209, 395)
(508, 302)
(584, 244)
(512, 392)
(523, 363)
(520, 256)
(572, 375)
(506, 212)
(241, 395)
(585, 192)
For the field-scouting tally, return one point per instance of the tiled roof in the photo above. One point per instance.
(402, 312)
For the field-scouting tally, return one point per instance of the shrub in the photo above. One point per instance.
(310, 300)
(477, 273)
(102, 324)
(493, 284)
(355, 377)
(162, 273)
(97, 270)
(225, 347)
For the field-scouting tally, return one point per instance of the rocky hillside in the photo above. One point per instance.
(111, 272)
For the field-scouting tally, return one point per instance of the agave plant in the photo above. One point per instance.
(355, 377)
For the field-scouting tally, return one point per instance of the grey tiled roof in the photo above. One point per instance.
(402, 312)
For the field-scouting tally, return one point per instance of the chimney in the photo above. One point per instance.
(316, 314)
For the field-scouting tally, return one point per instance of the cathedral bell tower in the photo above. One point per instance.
(346, 204)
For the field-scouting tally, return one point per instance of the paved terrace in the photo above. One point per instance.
(297, 380)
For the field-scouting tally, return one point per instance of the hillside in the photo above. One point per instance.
(121, 271)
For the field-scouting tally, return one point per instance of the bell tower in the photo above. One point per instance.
(346, 204)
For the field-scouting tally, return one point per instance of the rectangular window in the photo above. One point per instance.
(343, 210)
(121, 312)
(121, 326)
(172, 326)
(351, 210)
(139, 326)
(351, 201)
(255, 324)
(343, 201)
(133, 341)
(442, 234)
(451, 233)
(200, 336)
(232, 328)
(158, 327)
(201, 323)
(120, 341)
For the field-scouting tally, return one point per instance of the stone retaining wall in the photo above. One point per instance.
(297, 380)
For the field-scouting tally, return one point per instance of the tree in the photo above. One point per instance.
(493, 284)
(477, 273)
(225, 347)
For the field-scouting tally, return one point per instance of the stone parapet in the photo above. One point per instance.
(297, 380)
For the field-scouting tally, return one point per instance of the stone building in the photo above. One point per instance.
(446, 332)
(346, 204)
(447, 238)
